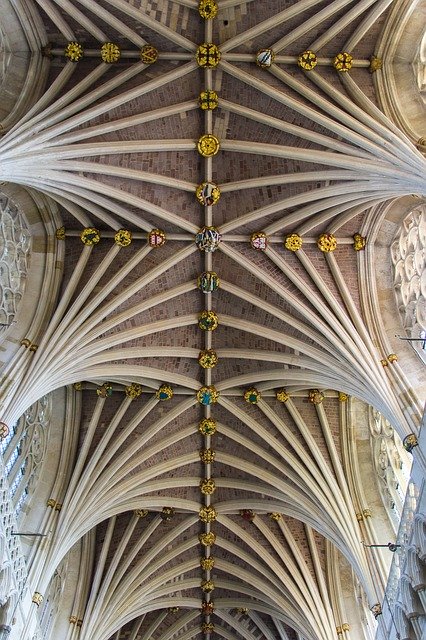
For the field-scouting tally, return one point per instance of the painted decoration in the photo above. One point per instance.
(252, 395)
(259, 241)
(293, 242)
(208, 320)
(315, 396)
(4, 430)
(133, 391)
(74, 51)
(207, 486)
(208, 281)
(327, 242)
(207, 395)
(208, 359)
(110, 52)
(208, 100)
(165, 392)
(359, 242)
(207, 514)
(264, 58)
(167, 513)
(207, 427)
(208, 55)
(207, 239)
(156, 238)
(90, 236)
(123, 238)
(208, 145)
(207, 539)
(207, 563)
(282, 395)
(149, 54)
(207, 193)
(105, 390)
(343, 61)
(207, 608)
(207, 456)
(207, 586)
(307, 60)
(207, 9)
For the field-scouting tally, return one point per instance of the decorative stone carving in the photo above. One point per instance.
(376, 610)
(149, 54)
(293, 242)
(207, 239)
(275, 516)
(74, 51)
(123, 237)
(259, 241)
(282, 395)
(359, 242)
(207, 193)
(327, 242)
(207, 455)
(207, 427)
(37, 598)
(315, 396)
(156, 238)
(343, 62)
(208, 100)
(207, 539)
(165, 392)
(207, 514)
(207, 608)
(208, 145)
(252, 395)
(110, 52)
(375, 64)
(208, 55)
(207, 9)
(133, 391)
(207, 486)
(105, 390)
(208, 359)
(207, 563)
(207, 395)
(167, 513)
(207, 586)
(208, 281)
(208, 320)
(15, 243)
(410, 442)
(307, 60)
(408, 257)
(90, 236)
(265, 58)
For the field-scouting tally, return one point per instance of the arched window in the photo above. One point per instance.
(15, 240)
(392, 465)
(408, 251)
(23, 451)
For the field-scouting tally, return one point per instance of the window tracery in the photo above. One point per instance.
(23, 451)
(408, 258)
(392, 466)
(15, 241)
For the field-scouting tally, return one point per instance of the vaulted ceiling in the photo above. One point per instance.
(246, 344)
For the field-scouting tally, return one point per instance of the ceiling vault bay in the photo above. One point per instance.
(304, 155)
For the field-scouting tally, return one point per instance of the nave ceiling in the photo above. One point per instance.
(307, 161)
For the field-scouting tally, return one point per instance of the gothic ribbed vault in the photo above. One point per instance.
(304, 158)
